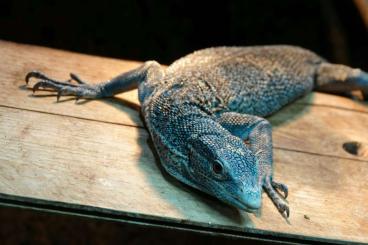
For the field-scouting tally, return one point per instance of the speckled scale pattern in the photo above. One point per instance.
(183, 110)
(251, 80)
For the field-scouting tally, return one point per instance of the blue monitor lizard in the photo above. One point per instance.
(205, 112)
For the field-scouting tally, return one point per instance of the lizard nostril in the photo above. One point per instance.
(356, 148)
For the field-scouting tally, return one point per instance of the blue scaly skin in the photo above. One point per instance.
(205, 112)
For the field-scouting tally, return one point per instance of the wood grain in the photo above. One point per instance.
(97, 154)
(320, 130)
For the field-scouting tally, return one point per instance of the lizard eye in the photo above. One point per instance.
(217, 167)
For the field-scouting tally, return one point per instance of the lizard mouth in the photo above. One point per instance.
(232, 200)
(237, 202)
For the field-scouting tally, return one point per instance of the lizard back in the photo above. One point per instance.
(252, 80)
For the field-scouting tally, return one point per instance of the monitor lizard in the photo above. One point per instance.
(206, 112)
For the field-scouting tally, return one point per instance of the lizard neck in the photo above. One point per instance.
(171, 131)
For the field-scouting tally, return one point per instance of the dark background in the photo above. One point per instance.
(167, 30)
(164, 31)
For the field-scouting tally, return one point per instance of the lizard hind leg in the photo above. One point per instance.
(335, 78)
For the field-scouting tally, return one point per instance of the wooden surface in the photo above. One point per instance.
(96, 153)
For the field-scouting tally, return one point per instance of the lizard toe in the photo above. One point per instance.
(278, 200)
(79, 90)
(281, 187)
(283, 209)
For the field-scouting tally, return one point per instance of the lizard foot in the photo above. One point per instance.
(363, 81)
(80, 90)
(271, 188)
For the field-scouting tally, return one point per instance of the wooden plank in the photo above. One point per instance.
(320, 130)
(18, 59)
(85, 162)
(84, 154)
(333, 101)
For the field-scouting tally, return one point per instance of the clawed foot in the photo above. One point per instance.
(79, 90)
(272, 189)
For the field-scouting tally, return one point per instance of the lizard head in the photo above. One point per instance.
(224, 167)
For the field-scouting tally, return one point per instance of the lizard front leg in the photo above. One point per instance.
(150, 70)
(257, 132)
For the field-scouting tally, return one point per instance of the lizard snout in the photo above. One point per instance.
(250, 200)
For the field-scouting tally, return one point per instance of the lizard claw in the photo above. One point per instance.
(37, 86)
(76, 78)
(42, 77)
(35, 74)
(283, 209)
(59, 93)
(80, 90)
(281, 187)
(271, 188)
